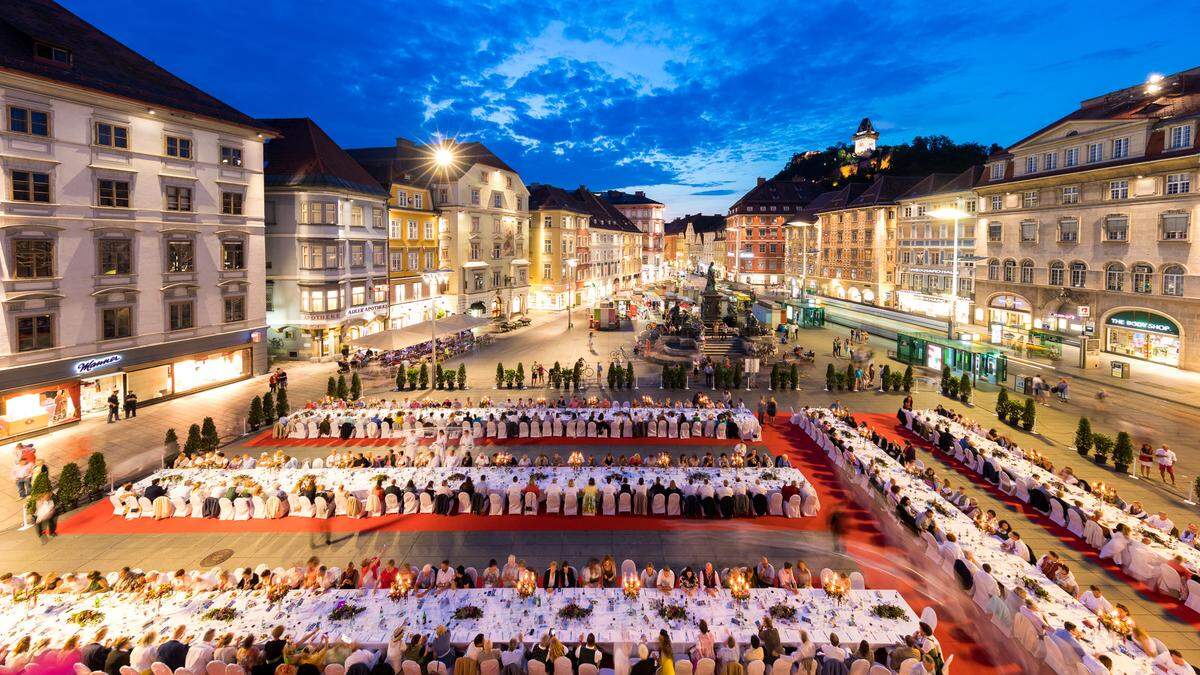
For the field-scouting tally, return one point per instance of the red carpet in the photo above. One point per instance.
(265, 440)
(888, 426)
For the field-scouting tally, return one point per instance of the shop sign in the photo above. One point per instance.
(1137, 320)
(367, 309)
(85, 367)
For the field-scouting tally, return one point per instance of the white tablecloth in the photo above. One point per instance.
(614, 618)
(1007, 569)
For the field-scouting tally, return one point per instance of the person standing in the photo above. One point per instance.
(23, 476)
(114, 407)
(45, 517)
(1165, 457)
(282, 378)
(837, 528)
(130, 404)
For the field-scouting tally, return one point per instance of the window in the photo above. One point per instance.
(1179, 183)
(115, 256)
(113, 193)
(1027, 271)
(179, 198)
(1116, 228)
(51, 53)
(1056, 273)
(395, 230)
(33, 258)
(1143, 281)
(1010, 267)
(495, 278)
(1180, 137)
(233, 255)
(358, 254)
(231, 156)
(28, 121)
(30, 186)
(417, 200)
(116, 323)
(1029, 199)
(1114, 277)
(474, 253)
(1095, 152)
(110, 135)
(1071, 157)
(180, 256)
(377, 218)
(412, 229)
(548, 246)
(1029, 230)
(180, 315)
(1120, 148)
(1174, 225)
(1078, 274)
(356, 216)
(429, 260)
(231, 203)
(235, 308)
(475, 196)
(971, 205)
(413, 261)
(379, 254)
(1118, 189)
(1031, 164)
(546, 276)
(1172, 280)
(1068, 229)
(1070, 194)
(479, 283)
(993, 270)
(475, 224)
(178, 146)
(997, 171)
(997, 203)
(1049, 161)
(379, 293)
(35, 332)
(498, 200)
(994, 232)
(429, 229)
(396, 261)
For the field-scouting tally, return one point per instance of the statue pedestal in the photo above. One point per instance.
(710, 307)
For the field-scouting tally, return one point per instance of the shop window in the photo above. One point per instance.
(1078, 274)
(33, 258)
(1143, 278)
(235, 308)
(1056, 273)
(181, 257)
(233, 255)
(35, 332)
(195, 373)
(116, 256)
(1174, 225)
(1172, 280)
(116, 323)
(181, 315)
(1114, 277)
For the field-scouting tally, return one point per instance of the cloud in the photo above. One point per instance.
(432, 108)
(714, 193)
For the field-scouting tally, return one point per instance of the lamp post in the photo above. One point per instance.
(435, 279)
(570, 264)
(955, 214)
(804, 265)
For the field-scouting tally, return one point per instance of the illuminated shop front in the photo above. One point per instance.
(1145, 335)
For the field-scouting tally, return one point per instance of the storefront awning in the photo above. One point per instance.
(408, 336)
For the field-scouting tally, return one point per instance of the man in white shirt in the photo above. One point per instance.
(1165, 458)
(200, 653)
(1160, 521)
(445, 576)
(359, 655)
(1173, 663)
(1095, 601)
(513, 656)
(666, 580)
(833, 650)
(951, 549)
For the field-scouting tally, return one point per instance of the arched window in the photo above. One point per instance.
(1114, 277)
(1078, 274)
(1056, 272)
(1027, 271)
(993, 269)
(1172, 280)
(1143, 281)
(1010, 268)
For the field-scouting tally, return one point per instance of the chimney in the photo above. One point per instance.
(761, 180)
(640, 193)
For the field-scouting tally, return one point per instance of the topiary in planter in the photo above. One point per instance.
(96, 475)
(499, 375)
(1101, 447)
(281, 403)
(331, 387)
(41, 485)
(1002, 404)
(462, 376)
(885, 377)
(907, 382)
(964, 388)
(342, 390)
(1123, 452)
(254, 418)
(268, 404)
(356, 386)
(949, 384)
(70, 485)
(1083, 437)
(195, 441)
(830, 379)
(794, 377)
(1028, 415)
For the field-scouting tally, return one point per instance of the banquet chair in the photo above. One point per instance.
(144, 509)
(533, 668)
(182, 671)
(658, 505)
(1075, 523)
(1053, 655)
(1056, 513)
(515, 501)
(489, 667)
(226, 509)
(705, 666)
(81, 669)
(880, 669)
(755, 667)
(825, 575)
(609, 504)
(1026, 635)
(1006, 484)
(490, 429)
(502, 430)
(775, 504)
(390, 503)
(241, 508)
(340, 505)
(685, 430)
(782, 666)
(495, 505)
(426, 503)
(627, 429)
(625, 503)
(320, 507)
(933, 549)
(673, 504)
(411, 504)
(662, 428)
(792, 508)
(126, 670)
(591, 429)
(335, 669)
(929, 616)
(523, 430)
(410, 667)
(464, 504)
(570, 504)
(304, 508)
(673, 428)
(562, 666)
(682, 667)
(710, 428)
(276, 507)
(906, 666)
(531, 504)
(163, 508)
(215, 668)
(160, 668)
(260, 507)
(1193, 595)
(466, 666)
(477, 429)
(860, 667)
(857, 582)
(436, 668)
(197, 505)
(553, 500)
(628, 568)
(181, 508)
(811, 505)
(1169, 581)
(983, 588)
(588, 669)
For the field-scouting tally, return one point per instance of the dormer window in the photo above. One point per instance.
(49, 52)
(997, 171)
(1031, 164)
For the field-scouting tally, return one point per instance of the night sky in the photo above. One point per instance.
(689, 101)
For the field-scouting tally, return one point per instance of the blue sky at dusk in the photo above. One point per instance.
(689, 101)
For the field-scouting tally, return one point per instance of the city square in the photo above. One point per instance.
(397, 400)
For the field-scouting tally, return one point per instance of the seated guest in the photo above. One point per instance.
(907, 650)
(666, 580)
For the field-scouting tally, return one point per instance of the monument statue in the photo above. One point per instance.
(710, 286)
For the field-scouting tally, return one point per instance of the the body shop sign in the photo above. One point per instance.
(91, 365)
(1136, 320)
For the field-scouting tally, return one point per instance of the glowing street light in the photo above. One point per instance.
(956, 214)
(804, 269)
(443, 156)
(435, 279)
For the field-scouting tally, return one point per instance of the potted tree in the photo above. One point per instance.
(462, 376)
(830, 380)
(499, 375)
(70, 486)
(907, 382)
(1123, 453)
(343, 391)
(1028, 415)
(1083, 437)
(423, 376)
(331, 387)
(254, 418)
(964, 389)
(208, 434)
(194, 442)
(1101, 447)
(95, 477)
(885, 377)
(171, 441)
(268, 403)
(355, 387)
(1002, 404)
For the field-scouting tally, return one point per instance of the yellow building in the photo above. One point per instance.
(558, 231)
(412, 233)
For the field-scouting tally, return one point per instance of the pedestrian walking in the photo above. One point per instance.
(282, 378)
(837, 528)
(273, 381)
(762, 410)
(599, 373)
(114, 407)
(1165, 457)
(1145, 460)
(23, 477)
(45, 517)
(130, 404)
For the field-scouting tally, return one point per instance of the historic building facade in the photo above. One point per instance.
(647, 215)
(755, 230)
(558, 222)
(327, 244)
(131, 206)
(1087, 227)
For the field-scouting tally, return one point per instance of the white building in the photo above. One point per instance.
(483, 230)
(131, 209)
(327, 244)
(647, 215)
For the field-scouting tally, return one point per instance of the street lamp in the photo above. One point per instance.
(443, 156)
(435, 279)
(570, 263)
(956, 214)
(804, 268)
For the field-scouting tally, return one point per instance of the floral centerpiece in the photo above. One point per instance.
(672, 612)
(768, 475)
(938, 508)
(739, 585)
(277, 593)
(344, 610)
(783, 612)
(574, 611)
(456, 477)
(664, 460)
(632, 586)
(223, 614)
(575, 461)
(527, 584)
(886, 611)
(1034, 586)
(737, 460)
(503, 459)
(697, 476)
(86, 617)
(837, 587)
(539, 476)
(1117, 623)
(468, 612)
(157, 592)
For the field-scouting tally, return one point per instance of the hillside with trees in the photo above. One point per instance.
(837, 165)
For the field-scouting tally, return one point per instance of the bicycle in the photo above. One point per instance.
(618, 354)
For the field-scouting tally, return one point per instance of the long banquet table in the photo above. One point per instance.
(613, 619)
